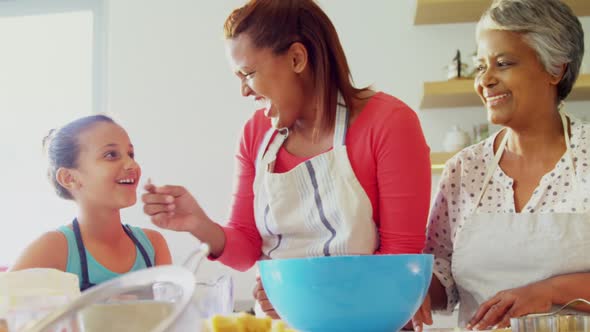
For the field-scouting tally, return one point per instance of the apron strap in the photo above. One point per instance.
(342, 119)
(570, 158)
(82, 253)
(267, 158)
(271, 154)
(492, 167)
(141, 249)
(264, 145)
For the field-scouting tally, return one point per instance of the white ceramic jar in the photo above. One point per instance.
(456, 139)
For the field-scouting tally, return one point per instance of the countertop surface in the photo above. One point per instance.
(456, 329)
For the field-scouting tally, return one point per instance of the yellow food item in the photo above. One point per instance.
(244, 323)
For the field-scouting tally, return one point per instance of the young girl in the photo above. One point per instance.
(91, 162)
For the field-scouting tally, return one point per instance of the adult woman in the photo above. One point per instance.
(324, 176)
(508, 225)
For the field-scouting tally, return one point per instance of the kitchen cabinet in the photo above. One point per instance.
(459, 11)
(460, 93)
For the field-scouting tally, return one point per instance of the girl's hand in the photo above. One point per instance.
(260, 296)
(497, 311)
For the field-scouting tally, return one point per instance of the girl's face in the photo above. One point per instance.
(107, 174)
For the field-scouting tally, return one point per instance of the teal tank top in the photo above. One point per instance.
(97, 273)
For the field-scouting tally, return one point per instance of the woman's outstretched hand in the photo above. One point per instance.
(174, 208)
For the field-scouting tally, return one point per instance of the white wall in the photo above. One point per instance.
(47, 75)
(169, 83)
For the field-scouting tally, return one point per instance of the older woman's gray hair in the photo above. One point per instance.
(549, 27)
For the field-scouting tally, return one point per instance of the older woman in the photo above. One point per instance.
(509, 227)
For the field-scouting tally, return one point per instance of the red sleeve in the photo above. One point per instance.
(243, 244)
(403, 176)
(402, 162)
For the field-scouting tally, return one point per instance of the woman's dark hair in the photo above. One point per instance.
(62, 148)
(277, 24)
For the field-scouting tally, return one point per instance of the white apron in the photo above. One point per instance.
(317, 208)
(498, 251)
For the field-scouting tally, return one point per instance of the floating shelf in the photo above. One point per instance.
(581, 90)
(460, 93)
(459, 11)
(452, 93)
(438, 160)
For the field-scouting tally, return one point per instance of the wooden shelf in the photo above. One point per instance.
(460, 93)
(438, 160)
(458, 11)
(581, 90)
(452, 93)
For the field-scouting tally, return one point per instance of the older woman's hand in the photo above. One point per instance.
(260, 296)
(516, 302)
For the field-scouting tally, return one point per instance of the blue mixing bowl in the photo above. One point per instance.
(377, 293)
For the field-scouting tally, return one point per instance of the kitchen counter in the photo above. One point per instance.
(456, 329)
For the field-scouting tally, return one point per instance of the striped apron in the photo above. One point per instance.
(318, 208)
(498, 251)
